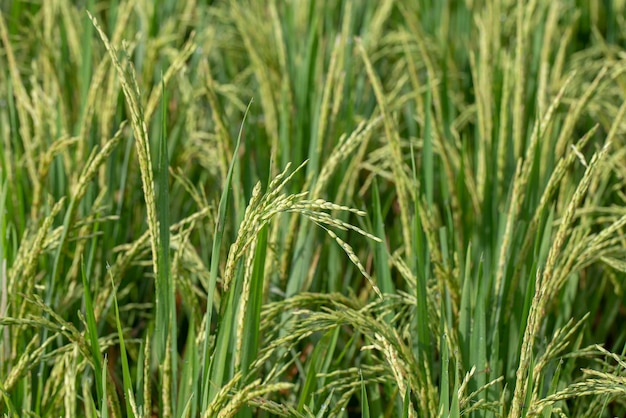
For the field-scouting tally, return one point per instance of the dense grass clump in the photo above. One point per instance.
(313, 208)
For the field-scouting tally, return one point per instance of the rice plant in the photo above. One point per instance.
(312, 208)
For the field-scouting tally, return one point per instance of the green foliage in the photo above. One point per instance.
(312, 208)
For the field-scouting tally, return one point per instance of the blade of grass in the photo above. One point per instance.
(311, 380)
(127, 381)
(454, 407)
(104, 408)
(365, 408)
(421, 318)
(9, 405)
(165, 328)
(92, 331)
(421, 266)
(207, 392)
(381, 256)
(406, 405)
(4, 331)
(444, 384)
(322, 411)
(222, 360)
(189, 376)
(427, 154)
(252, 323)
(478, 339)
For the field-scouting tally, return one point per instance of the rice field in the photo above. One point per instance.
(302, 208)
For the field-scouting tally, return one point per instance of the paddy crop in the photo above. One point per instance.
(312, 208)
